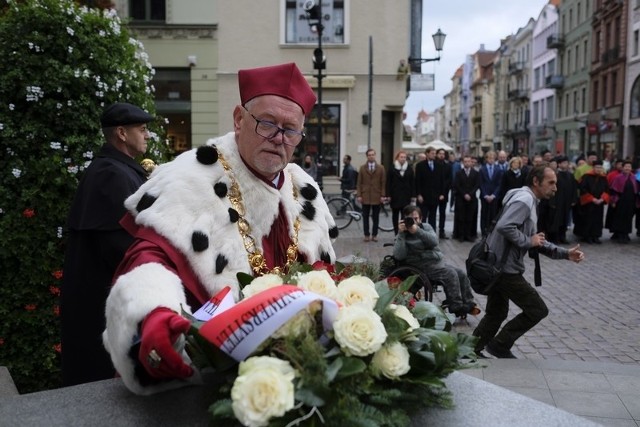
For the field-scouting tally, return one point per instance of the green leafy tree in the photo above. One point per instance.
(61, 65)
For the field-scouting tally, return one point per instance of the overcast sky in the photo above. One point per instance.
(467, 24)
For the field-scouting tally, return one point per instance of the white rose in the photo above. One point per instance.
(359, 330)
(358, 290)
(392, 361)
(262, 390)
(318, 281)
(261, 283)
(403, 312)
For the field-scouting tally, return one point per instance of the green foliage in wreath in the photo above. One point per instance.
(61, 65)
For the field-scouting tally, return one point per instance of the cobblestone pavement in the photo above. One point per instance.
(594, 306)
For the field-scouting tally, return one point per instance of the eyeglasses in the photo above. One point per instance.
(269, 130)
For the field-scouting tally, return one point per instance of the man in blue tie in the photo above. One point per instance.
(490, 179)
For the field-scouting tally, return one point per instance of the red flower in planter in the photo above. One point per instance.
(58, 348)
(30, 307)
(56, 310)
(29, 213)
(321, 265)
(1, 341)
(394, 282)
(54, 290)
(57, 274)
(331, 269)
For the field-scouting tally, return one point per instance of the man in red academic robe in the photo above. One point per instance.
(233, 205)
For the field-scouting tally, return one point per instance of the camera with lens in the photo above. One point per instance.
(409, 221)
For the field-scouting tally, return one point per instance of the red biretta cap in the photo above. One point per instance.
(283, 80)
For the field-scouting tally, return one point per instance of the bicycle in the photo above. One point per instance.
(344, 211)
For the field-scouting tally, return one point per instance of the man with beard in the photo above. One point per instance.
(516, 233)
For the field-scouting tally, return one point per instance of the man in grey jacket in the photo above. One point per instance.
(516, 232)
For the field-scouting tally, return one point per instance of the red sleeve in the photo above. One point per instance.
(150, 247)
(143, 252)
(586, 198)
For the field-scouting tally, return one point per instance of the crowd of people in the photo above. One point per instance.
(474, 188)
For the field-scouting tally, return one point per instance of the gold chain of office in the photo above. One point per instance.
(256, 258)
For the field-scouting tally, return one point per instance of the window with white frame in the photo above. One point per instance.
(298, 30)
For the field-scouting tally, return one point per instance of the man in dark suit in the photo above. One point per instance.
(442, 159)
(465, 185)
(490, 180)
(97, 242)
(429, 186)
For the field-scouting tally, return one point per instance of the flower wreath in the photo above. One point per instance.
(354, 354)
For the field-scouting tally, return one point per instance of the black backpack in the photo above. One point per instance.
(483, 269)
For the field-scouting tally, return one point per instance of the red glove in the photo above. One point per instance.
(160, 330)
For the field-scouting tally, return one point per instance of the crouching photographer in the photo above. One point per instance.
(417, 245)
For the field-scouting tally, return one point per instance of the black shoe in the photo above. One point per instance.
(459, 311)
(596, 241)
(443, 236)
(500, 354)
(563, 240)
(480, 354)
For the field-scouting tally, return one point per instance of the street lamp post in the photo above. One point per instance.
(438, 41)
(314, 17)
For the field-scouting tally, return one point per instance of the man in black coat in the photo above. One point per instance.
(97, 242)
(429, 186)
(447, 177)
(465, 218)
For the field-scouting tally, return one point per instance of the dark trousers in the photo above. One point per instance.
(429, 213)
(593, 220)
(373, 210)
(510, 287)
(395, 217)
(488, 213)
(442, 214)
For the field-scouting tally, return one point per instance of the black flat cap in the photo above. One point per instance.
(122, 114)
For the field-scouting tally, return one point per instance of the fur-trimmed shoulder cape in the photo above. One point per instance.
(185, 201)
